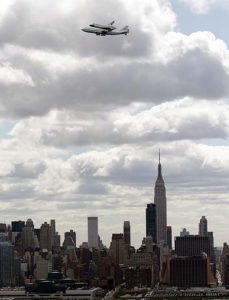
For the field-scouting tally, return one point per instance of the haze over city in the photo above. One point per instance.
(82, 117)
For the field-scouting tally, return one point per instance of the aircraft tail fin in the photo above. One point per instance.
(126, 28)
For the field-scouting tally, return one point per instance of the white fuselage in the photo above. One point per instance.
(103, 32)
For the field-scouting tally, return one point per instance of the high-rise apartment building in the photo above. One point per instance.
(151, 221)
(92, 223)
(161, 206)
(126, 232)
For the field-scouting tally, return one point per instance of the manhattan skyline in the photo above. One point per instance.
(82, 117)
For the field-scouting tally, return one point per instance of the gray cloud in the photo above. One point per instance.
(43, 25)
(22, 171)
(92, 73)
(121, 84)
(177, 120)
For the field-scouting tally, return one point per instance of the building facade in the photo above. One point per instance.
(161, 206)
(203, 226)
(46, 238)
(117, 248)
(169, 237)
(190, 272)
(151, 221)
(126, 233)
(7, 264)
(192, 245)
(93, 241)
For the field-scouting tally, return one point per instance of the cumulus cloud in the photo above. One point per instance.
(95, 181)
(60, 67)
(177, 120)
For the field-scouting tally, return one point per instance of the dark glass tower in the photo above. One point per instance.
(151, 221)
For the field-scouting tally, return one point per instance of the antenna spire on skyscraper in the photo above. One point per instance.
(159, 165)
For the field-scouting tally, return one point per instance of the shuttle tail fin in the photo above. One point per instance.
(126, 28)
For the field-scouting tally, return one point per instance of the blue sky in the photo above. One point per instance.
(215, 21)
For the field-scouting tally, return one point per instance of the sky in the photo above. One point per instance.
(82, 117)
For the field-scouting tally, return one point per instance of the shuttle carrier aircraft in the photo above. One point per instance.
(108, 29)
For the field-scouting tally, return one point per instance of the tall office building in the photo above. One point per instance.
(17, 226)
(117, 248)
(53, 229)
(7, 264)
(151, 221)
(203, 227)
(193, 271)
(92, 223)
(3, 227)
(161, 207)
(27, 235)
(192, 245)
(46, 237)
(126, 232)
(169, 237)
(72, 234)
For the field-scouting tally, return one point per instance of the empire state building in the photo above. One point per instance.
(161, 207)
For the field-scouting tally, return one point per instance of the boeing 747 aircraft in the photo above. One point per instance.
(108, 29)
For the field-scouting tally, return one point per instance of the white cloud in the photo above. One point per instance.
(10, 76)
(64, 68)
(204, 6)
(177, 120)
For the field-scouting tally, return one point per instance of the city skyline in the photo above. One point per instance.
(82, 117)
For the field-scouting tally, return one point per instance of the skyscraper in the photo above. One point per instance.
(151, 221)
(203, 226)
(7, 264)
(17, 226)
(53, 229)
(28, 237)
(46, 237)
(184, 232)
(161, 207)
(126, 232)
(117, 248)
(92, 223)
(169, 237)
(192, 245)
(71, 234)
